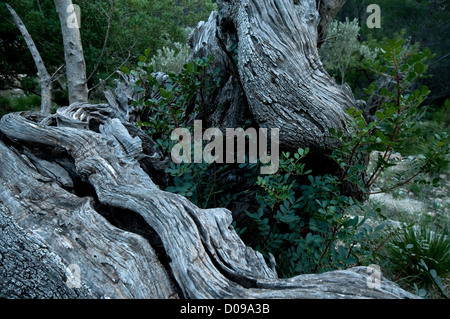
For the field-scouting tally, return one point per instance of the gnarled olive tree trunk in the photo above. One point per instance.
(271, 69)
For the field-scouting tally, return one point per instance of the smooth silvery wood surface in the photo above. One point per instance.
(73, 51)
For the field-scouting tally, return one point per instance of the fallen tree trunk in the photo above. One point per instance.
(79, 217)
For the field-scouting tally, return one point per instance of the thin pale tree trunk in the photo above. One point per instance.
(44, 76)
(73, 52)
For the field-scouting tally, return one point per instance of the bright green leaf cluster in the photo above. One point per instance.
(394, 122)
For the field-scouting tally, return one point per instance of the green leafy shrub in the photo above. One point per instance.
(30, 84)
(433, 120)
(306, 224)
(342, 50)
(170, 59)
(394, 124)
(418, 257)
(175, 102)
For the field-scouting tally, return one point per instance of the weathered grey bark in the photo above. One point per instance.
(73, 52)
(44, 77)
(271, 69)
(51, 220)
(328, 9)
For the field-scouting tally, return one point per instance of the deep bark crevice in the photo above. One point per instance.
(124, 219)
(132, 222)
(222, 265)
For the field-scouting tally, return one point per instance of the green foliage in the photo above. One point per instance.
(424, 22)
(135, 26)
(409, 252)
(418, 257)
(154, 24)
(442, 115)
(10, 104)
(171, 60)
(435, 120)
(174, 104)
(342, 49)
(394, 124)
(171, 104)
(201, 185)
(306, 225)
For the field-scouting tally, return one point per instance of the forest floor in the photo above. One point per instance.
(416, 202)
(420, 204)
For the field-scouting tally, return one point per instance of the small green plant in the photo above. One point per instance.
(418, 257)
(175, 103)
(171, 59)
(200, 183)
(342, 48)
(305, 224)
